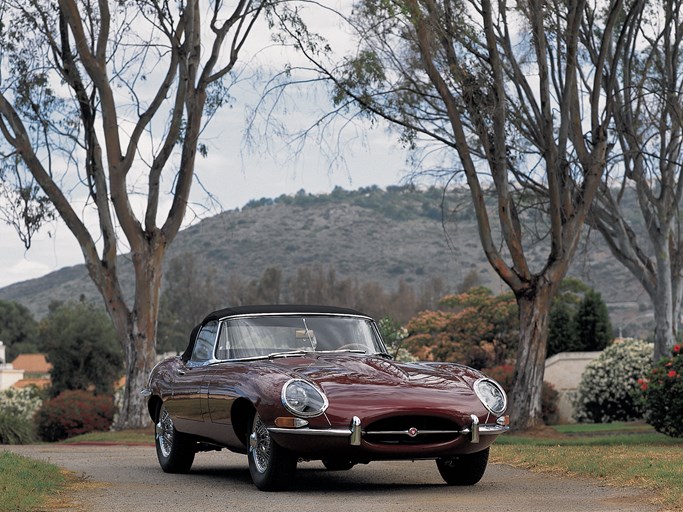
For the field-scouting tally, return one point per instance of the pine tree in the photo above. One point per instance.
(592, 324)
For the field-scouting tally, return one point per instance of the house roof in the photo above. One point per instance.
(32, 363)
(24, 383)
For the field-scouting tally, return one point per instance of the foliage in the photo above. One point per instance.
(189, 295)
(393, 335)
(608, 390)
(593, 328)
(21, 402)
(18, 329)
(82, 346)
(480, 329)
(578, 323)
(15, 429)
(562, 330)
(662, 389)
(72, 413)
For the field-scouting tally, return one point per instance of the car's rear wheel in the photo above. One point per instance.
(270, 465)
(464, 469)
(174, 451)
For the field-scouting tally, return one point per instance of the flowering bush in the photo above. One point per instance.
(22, 402)
(72, 413)
(609, 389)
(17, 407)
(662, 390)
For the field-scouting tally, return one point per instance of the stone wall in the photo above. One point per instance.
(564, 371)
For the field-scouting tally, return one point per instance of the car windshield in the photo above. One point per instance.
(280, 336)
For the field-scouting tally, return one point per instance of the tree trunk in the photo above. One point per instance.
(664, 306)
(139, 338)
(534, 314)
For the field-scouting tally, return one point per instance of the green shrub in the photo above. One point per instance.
(609, 389)
(73, 413)
(15, 429)
(662, 391)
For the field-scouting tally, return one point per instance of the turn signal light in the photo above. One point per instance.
(289, 422)
(503, 420)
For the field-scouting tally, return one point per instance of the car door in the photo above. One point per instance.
(188, 405)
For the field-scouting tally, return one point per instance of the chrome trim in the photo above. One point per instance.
(306, 431)
(356, 431)
(475, 429)
(146, 392)
(500, 388)
(487, 429)
(419, 432)
(300, 414)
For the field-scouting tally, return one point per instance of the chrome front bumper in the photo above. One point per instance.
(355, 431)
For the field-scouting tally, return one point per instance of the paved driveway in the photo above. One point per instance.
(133, 481)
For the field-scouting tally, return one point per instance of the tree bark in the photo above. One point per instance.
(525, 400)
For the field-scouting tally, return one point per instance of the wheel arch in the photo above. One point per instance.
(242, 410)
(153, 405)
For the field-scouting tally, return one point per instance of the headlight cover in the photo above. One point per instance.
(303, 399)
(491, 395)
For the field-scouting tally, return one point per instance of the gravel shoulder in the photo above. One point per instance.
(128, 478)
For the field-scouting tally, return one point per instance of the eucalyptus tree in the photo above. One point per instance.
(649, 124)
(501, 89)
(101, 108)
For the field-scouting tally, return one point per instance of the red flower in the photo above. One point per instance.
(643, 384)
(677, 349)
(672, 373)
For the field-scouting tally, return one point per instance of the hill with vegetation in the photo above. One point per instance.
(398, 237)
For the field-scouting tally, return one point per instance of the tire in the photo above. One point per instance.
(270, 465)
(174, 451)
(337, 464)
(463, 469)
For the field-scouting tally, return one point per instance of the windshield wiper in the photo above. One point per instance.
(385, 355)
(291, 353)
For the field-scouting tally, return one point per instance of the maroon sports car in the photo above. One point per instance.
(289, 383)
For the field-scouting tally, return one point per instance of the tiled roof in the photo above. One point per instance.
(32, 363)
(23, 383)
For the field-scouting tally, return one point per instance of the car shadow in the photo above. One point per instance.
(318, 479)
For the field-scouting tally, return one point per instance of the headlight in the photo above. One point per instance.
(303, 399)
(491, 395)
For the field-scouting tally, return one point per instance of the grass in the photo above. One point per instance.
(26, 484)
(132, 437)
(624, 454)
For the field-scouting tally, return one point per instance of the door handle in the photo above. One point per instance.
(181, 372)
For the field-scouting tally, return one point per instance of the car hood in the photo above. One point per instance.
(363, 382)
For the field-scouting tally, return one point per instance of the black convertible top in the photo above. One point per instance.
(278, 308)
(261, 310)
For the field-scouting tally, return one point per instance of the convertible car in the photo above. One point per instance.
(284, 384)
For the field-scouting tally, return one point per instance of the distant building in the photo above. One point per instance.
(36, 370)
(564, 372)
(9, 375)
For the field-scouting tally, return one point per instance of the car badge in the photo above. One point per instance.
(412, 432)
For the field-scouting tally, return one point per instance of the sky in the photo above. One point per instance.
(235, 172)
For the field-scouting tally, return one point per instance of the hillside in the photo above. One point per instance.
(369, 234)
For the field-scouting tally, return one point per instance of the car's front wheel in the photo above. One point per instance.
(174, 451)
(270, 464)
(464, 469)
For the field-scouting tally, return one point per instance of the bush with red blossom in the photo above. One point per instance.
(663, 394)
(72, 413)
